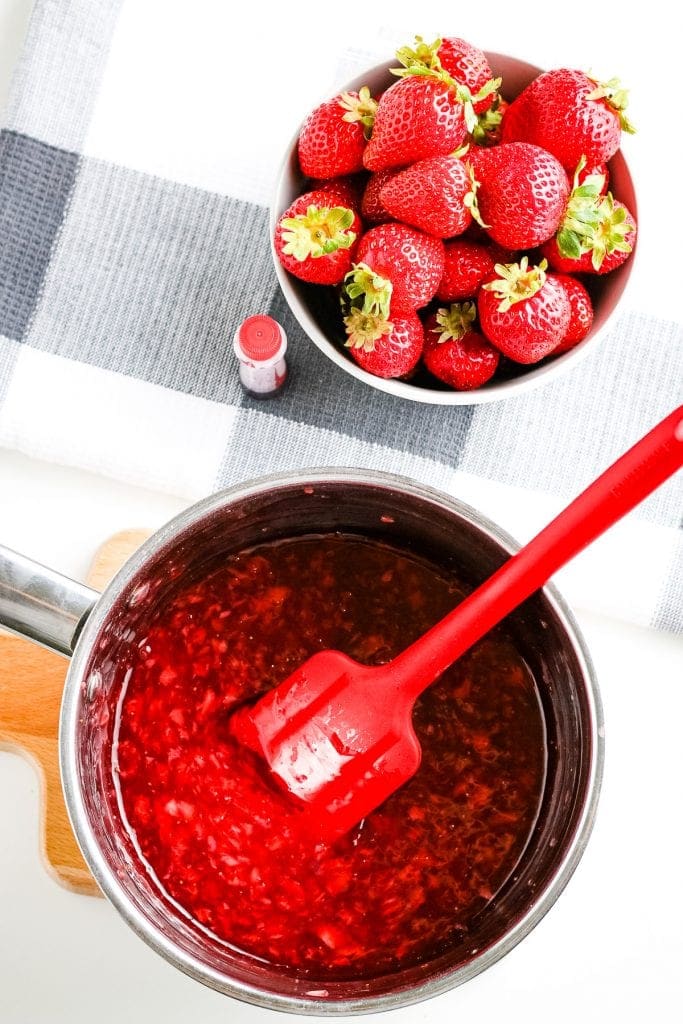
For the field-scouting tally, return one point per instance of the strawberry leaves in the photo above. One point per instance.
(318, 232)
(454, 322)
(612, 231)
(516, 282)
(374, 291)
(364, 329)
(592, 223)
(616, 97)
(367, 295)
(582, 213)
(359, 108)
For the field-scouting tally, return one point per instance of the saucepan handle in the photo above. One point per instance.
(41, 604)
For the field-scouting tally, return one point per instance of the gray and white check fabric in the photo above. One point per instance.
(127, 262)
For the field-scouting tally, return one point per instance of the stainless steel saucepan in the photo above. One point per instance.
(93, 629)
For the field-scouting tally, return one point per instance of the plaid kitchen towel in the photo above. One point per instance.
(133, 240)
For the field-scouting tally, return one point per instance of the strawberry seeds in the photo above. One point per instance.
(226, 845)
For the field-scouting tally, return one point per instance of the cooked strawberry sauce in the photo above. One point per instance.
(226, 844)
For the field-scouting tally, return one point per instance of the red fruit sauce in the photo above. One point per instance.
(224, 842)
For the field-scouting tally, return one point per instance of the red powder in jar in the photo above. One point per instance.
(225, 844)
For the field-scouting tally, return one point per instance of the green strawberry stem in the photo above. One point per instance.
(516, 282)
(591, 222)
(424, 60)
(368, 291)
(610, 234)
(455, 321)
(361, 108)
(616, 97)
(423, 56)
(364, 329)
(581, 216)
(317, 232)
(468, 101)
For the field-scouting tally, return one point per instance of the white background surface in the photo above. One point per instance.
(611, 948)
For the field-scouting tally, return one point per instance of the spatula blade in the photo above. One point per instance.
(337, 735)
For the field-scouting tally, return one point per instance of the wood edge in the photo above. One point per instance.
(70, 877)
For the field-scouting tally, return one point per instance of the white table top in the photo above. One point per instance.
(610, 949)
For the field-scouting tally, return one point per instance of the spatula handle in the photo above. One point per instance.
(618, 490)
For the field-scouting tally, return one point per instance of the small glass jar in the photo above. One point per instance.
(260, 344)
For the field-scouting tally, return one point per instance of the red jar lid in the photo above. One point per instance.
(259, 337)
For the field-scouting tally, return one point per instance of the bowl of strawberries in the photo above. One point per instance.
(457, 226)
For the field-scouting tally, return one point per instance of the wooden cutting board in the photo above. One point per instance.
(31, 684)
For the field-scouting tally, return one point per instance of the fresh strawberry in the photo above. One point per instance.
(595, 247)
(523, 193)
(454, 352)
(385, 348)
(316, 240)
(398, 268)
(582, 213)
(417, 117)
(461, 65)
(468, 65)
(333, 137)
(466, 266)
(524, 312)
(435, 195)
(571, 115)
(372, 209)
(581, 306)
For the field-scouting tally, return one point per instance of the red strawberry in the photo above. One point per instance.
(372, 209)
(570, 115)
(454, 352)
(466, 266)
(417, 117)
(458, 63)
(435, 195)
(315, 240)
(581, 306)
(333, 137)
(468, 66)
(398, 268)
(382, 347)
(523, 193)
(523, 312)
(604, 244)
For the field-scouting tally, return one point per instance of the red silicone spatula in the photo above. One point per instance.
(338, 734)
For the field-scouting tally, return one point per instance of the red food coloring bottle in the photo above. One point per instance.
(260, 345)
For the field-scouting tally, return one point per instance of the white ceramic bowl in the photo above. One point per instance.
(316, 308)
